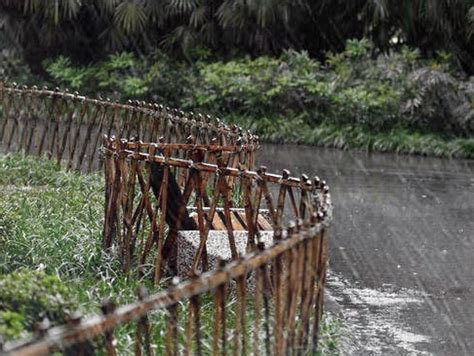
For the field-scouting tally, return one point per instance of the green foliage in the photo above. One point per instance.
(327, 134)
(274, 96)
(12, 324)
(331, 330)
(25, 171)
(49, 218)
(30, 293)
(50, 228)
(357, 48)
(105, 76)
(27, 297)
(350, 88)
(123, 76)
(13, 68)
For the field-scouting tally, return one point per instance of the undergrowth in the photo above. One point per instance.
(393, 102)
(51, 221)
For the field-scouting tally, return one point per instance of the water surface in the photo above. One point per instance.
(401, 248)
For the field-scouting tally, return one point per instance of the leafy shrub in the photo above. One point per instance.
(123, 76)
(12, 68)
(353, 87)
(441, 102)
(350, 88)
(27, 297)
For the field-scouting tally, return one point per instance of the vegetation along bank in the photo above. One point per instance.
(396, 102)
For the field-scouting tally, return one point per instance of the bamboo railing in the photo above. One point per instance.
(68, 127)
(143, 197)
(267, 299)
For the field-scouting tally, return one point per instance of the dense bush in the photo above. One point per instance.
(27, 297)
(123, 76)
(349, 88)
(295, 98)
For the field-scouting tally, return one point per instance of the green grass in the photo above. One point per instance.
(51, 221)
(331, 330)
(49, 218)
(326, 134)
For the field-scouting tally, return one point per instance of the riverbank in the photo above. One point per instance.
(345, 137)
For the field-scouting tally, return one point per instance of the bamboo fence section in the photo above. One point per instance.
(68, 127)
(160, 164)
(282, 317)
(146, 207)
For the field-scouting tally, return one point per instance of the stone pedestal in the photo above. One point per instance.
(217, 247)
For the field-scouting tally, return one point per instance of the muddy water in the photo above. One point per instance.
(402, 246)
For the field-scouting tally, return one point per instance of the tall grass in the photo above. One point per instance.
(49, 218)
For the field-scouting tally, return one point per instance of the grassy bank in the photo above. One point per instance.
(397, 140)
(51, 259)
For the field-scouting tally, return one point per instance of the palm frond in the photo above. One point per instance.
(130, 17)
(179, 7)
(199, 16)
(107, 7)
(470, 20)
(156, 11)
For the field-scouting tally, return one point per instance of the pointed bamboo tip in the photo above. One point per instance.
(291, 227)
(175, 281)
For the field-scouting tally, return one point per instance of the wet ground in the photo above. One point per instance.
(402, 247)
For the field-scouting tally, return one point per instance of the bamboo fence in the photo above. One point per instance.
(282, 317)
(146, 206)
(267, 300)
(68, 127)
